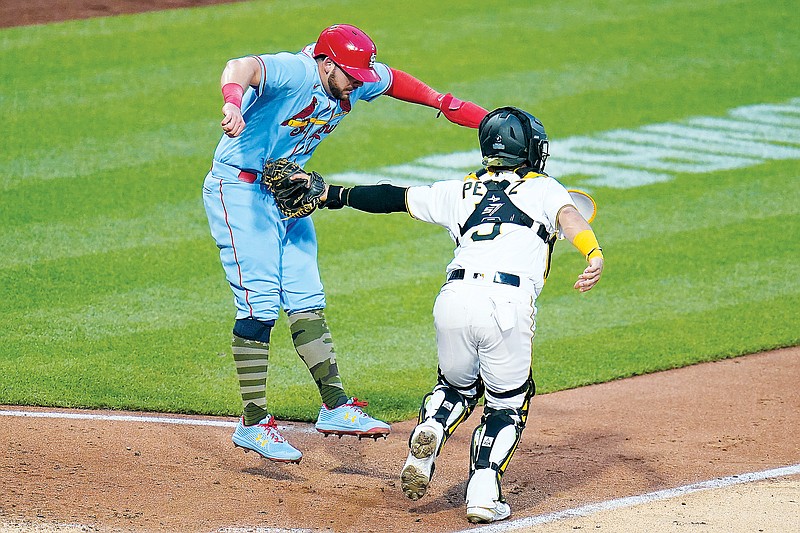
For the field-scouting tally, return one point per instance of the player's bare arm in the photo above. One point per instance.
(581, 235)
(236, 77)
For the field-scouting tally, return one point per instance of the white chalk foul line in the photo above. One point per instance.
(120, 418)
(185, 421)
(631, 501)
(140, 418)
(585, 510)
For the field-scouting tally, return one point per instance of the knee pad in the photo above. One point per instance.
(252, 329)
(517, 400)
(448, 406)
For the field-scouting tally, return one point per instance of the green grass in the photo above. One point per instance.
(111, 293)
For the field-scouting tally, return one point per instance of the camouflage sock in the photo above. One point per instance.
(312, 340)
(251, 367)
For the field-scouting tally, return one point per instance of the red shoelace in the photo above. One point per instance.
(354, 403)
(271, 429)
(357, 405)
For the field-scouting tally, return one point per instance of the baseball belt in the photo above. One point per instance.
(499, 277)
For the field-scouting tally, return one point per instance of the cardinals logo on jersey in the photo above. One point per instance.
(302, 119)
(309, 126)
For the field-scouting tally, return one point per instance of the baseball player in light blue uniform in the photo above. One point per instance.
(284, 105)
(248, 250)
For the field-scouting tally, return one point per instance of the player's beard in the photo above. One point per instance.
(336, 90)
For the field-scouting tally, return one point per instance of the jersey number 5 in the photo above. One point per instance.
(488, 236)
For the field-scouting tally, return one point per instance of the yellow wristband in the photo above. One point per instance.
(597, 252)
(587, 244)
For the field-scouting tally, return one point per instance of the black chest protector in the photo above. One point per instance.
(497, 208)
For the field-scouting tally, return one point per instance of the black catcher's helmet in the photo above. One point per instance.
(511, 137)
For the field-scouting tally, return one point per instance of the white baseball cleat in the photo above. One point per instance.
(500, 511)
(418, 470)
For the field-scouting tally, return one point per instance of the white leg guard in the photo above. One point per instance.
(493, 444)
(442, 411)
(484, 503)
(449, 406)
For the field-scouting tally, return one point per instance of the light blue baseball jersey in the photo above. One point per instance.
(290, 113)
(270, 262)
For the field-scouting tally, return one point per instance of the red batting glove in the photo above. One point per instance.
(460, 112)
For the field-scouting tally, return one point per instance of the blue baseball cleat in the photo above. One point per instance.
(349, 419)
(265, 439)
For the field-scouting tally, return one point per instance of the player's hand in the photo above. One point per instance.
(591, 275)
(302, 177)
(233, 122)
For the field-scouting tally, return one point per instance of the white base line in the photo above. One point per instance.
(630, 501)
(146, 419)
(120, 418)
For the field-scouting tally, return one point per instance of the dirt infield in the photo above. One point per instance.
(26, 12)
(582, 446)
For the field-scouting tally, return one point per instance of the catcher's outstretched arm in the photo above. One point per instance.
(382, 198)
(409, 89)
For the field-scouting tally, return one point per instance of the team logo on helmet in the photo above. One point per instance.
(498, 143)
(372, 61)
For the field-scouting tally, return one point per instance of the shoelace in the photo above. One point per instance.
(271, 429)
(357, 404)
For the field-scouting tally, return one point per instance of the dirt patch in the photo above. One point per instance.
(27, 12)
(593, 444)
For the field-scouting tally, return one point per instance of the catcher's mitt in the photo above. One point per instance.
(295, 197)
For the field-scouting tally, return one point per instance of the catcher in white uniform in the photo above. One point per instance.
(505, 219)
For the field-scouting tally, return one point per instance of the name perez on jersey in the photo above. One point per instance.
(505, 224)
(494, 207)
(477, 188)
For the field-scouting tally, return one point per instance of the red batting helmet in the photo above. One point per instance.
(351, 49)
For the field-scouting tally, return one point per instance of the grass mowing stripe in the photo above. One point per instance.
(127, 193)
(662, 344)
(104, 305)
(87, 155)
(752, 282)
(165, 225)
(85, 278)
(122, 313)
